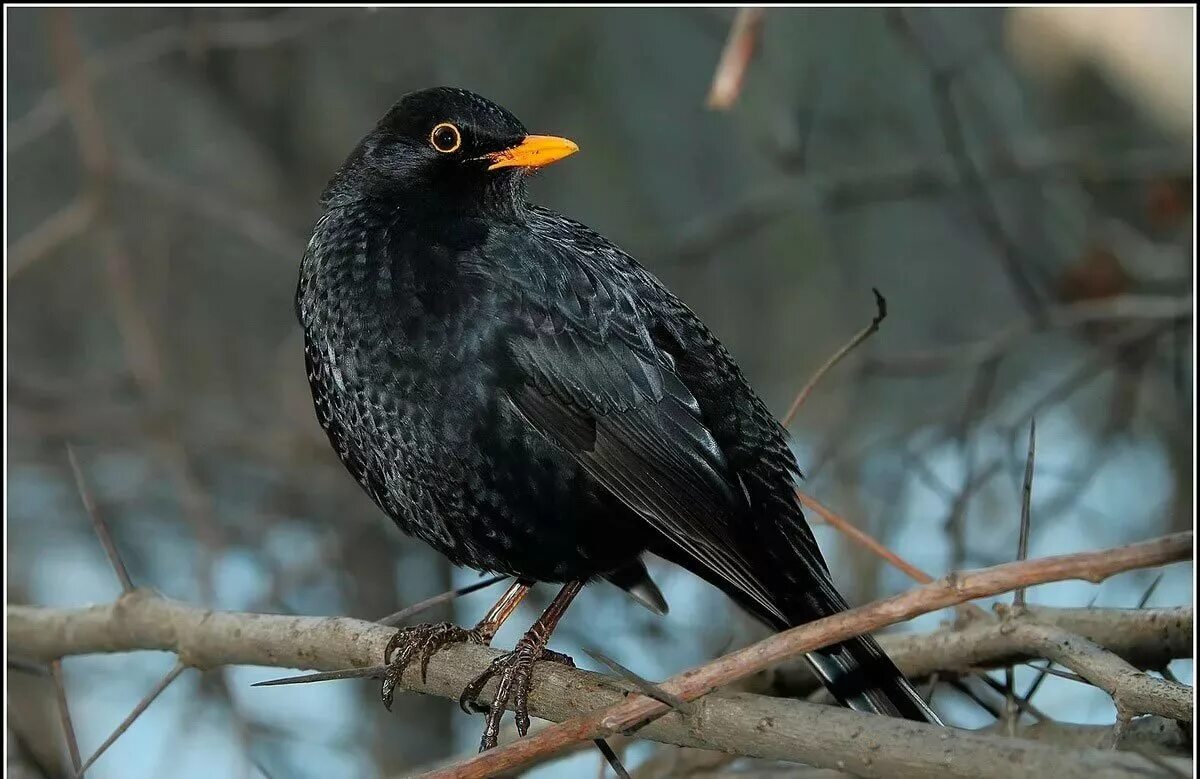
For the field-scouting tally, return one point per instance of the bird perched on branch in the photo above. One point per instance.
(516, 391)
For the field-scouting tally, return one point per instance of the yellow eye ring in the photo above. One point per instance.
(445, 138)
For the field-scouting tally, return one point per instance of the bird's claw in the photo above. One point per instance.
(515, 670)
(420, 642)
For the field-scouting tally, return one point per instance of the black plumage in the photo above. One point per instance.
(518, 392)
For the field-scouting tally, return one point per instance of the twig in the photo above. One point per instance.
(71, 220)
(398, 617)
(868, 541)
(64, 712)
(735, 58)
(1026, 499)
(1093, 566)
(851, 345)
(101, 527)
(142, 705)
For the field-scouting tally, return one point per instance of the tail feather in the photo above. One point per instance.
(862, 677)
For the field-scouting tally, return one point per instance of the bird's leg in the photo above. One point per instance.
(422, 641)
(516, 669)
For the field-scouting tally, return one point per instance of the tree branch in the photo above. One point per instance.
(737, 722)
(1146, 638)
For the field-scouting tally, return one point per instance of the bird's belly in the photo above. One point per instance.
(463, 472)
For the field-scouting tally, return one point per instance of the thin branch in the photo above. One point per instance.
(1026, 499)
(101, 527)
(735, 59)
(400, 616)
(869, 542)
(141, 706)
(851, 345)
(956, 588)
(64, 713)
(728, 722)
(70, 221)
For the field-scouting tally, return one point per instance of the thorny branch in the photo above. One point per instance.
(732, 722)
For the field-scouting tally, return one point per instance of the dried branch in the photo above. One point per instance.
(735, 58)
(745, 724)
(851, 345)
(956, 588)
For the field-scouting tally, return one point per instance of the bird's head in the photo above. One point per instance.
(445, 142)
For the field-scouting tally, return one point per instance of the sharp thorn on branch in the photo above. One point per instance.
(370, 672)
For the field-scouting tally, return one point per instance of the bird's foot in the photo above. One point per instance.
(421, 642)
(515, 670)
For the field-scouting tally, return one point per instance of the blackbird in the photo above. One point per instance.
(519, 393)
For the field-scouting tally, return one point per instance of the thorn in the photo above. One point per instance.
(64, 712)
(648, 688)
(370, 672)
(1026, 499)
(101, 527)
(26, 667)
(397, 617)
(612, 757)
(1146, 596)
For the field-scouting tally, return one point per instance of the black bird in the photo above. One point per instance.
(512, 388)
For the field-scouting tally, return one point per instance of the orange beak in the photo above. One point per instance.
(533, 152)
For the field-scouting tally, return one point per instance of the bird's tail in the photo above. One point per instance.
(861, 676)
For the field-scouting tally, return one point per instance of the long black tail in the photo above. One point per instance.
(861, 676)
(857, 672)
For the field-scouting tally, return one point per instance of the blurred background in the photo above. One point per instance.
(1017, 183)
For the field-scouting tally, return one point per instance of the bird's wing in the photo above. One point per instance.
(588, 376)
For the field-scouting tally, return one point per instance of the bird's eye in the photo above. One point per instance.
(445, 138)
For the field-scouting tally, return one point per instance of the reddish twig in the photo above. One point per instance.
(954, 589)
(735, 58)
